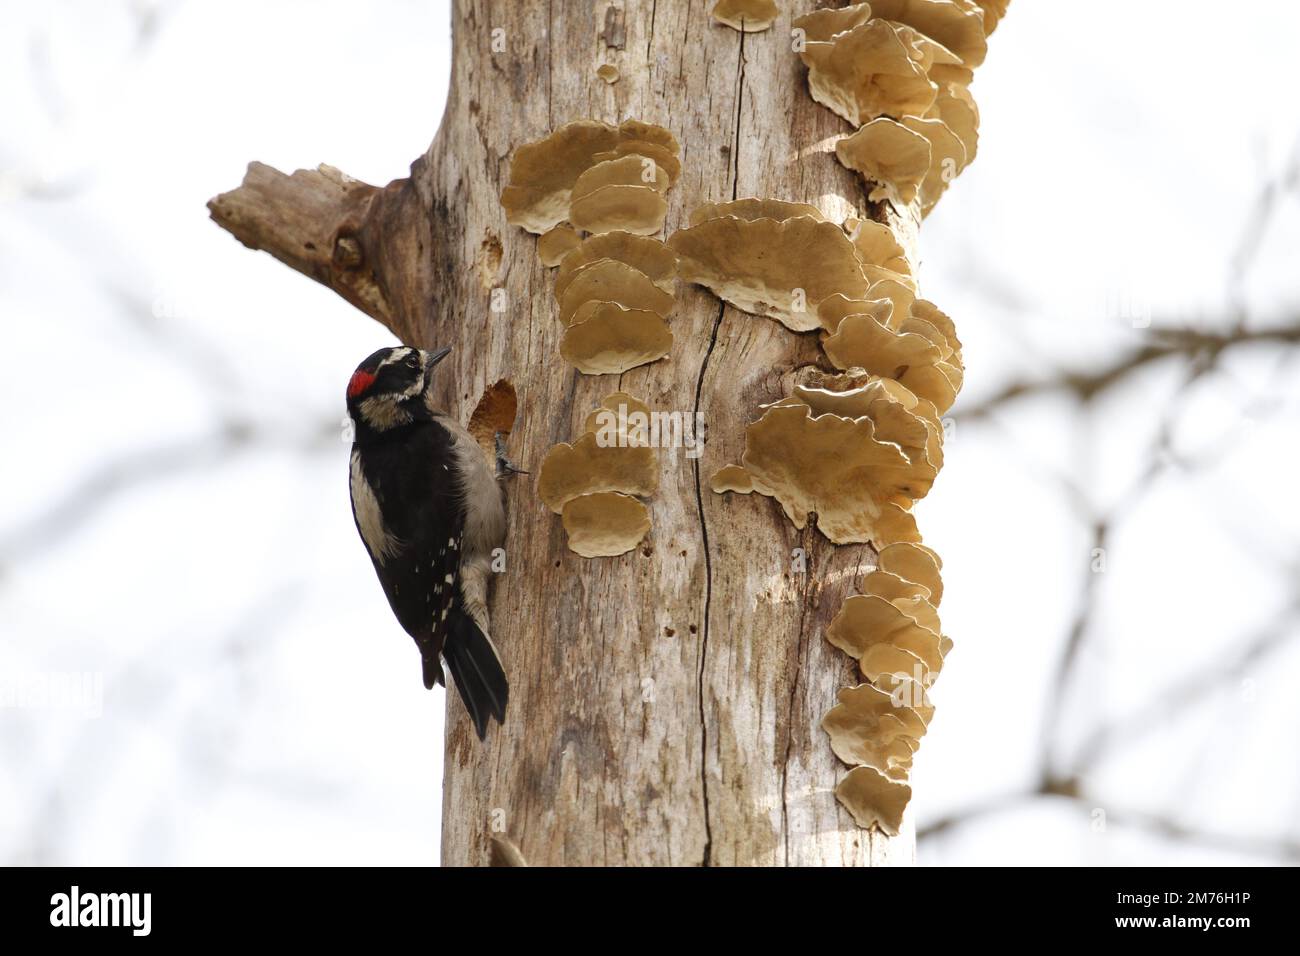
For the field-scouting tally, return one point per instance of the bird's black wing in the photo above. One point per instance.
(420, 505)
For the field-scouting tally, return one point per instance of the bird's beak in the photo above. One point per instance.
(436, 357)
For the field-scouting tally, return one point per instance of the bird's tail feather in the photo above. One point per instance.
(432, 670)
(477, 672)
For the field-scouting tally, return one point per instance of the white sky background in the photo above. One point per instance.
(260, 704)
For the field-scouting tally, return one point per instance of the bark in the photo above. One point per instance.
(665, 705)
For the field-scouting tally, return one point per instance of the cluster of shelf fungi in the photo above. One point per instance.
(857, 447)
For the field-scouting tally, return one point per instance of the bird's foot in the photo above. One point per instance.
(505, 467)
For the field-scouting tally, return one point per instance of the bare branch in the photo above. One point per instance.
(1186, 693)
(1163, 344)
(111, 479)
(309, 221)
(1281, 849)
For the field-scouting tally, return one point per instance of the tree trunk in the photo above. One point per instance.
(665, 705)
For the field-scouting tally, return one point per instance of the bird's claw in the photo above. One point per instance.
(505, 467)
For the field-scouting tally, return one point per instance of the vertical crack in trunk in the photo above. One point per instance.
(740, 98)
(790, 705)
(708, 595)
(699, 493)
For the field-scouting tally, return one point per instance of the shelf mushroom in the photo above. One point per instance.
(594, 483)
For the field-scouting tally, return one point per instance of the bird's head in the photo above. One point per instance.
(389, 388)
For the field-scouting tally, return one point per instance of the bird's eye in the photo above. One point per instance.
(412, 362)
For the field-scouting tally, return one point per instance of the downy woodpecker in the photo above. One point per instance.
(430, 513)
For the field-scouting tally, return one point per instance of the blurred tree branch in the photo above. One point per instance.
(1162, 344)
(1201, 351)
(111, 479)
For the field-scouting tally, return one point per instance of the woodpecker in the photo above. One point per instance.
(430, 513)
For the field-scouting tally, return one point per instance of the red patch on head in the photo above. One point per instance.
(359, 382)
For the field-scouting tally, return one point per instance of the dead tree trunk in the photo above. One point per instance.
(665, 704)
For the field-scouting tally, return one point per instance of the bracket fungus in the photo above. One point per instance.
(873, 799)
(899, 289)
(648, 256)
(919, 350)
(857, 449)
(605, 524)
(905, 159)
(869, 728)
(866, 622)
(586, 467)
(752, 208)
(915, 563)
(877, 245)
(610, 339)
(956, 107)
(732, 478)
(887, 153)
(665, 158)
(892, 629)
(823, 25)
(899, 70)
(897, 415)
(614, 289)
(863, 339)
(554, 244)
(994, 11)
(956, 24)
(543, 173)
(747, 16)
(595, 482)
(781, 268)
(637, 209)
(625, 193)
(859, 486)
(609, 280)
(947, 157)
(619, 417)
(909, 597)
(873, 68)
